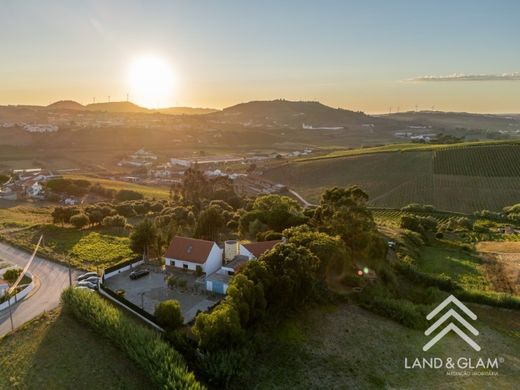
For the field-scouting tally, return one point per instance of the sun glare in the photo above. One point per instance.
(151, 82)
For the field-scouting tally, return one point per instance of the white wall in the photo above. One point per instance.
(123, 269)
(245, 252)
(212, 264)
(22, 294)
(214, 261)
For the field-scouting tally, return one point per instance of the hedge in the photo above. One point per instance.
(163, 365)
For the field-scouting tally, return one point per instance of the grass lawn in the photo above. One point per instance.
(86, 249)
(465, 268)
(345, 347)
(56, 352)
(16, 214)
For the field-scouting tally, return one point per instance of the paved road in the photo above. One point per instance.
(53, 279)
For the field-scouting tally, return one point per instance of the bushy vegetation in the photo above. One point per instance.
(168, 315)
(164, 366)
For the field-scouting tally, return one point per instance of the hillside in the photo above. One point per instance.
(456, 178)
(457, 120)
(186, 110)
(66, 105)
(117, 107)
(296, 114)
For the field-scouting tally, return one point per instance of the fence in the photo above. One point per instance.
(132, 308)
(21, 295)
(122, 267)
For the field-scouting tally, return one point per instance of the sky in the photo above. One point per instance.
(373, 56)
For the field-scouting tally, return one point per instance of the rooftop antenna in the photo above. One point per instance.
(109, 99)
(416, 108)
(93, 100)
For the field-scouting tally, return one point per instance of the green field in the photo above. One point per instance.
(346, 347)
(86, 249)
(147, 191)
(54, 351)
(393, 179)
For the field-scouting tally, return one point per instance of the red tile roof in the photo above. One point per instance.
(189, 249)
(259, 248)
(2, 281)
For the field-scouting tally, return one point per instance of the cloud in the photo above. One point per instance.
(470, 77)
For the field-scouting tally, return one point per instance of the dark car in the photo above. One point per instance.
(138, 274)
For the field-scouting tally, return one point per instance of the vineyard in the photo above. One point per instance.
(393, 216)
(488, 161)
(461, 178)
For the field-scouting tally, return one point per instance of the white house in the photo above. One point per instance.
(188, 253)
(235, 257)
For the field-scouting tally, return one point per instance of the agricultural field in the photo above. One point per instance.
(54, 351)
(506, 256)
(147, 191)
(427, 174)
(86, 249)
(22, 214)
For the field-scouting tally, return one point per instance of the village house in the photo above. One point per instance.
(236, 255)
(190, 253)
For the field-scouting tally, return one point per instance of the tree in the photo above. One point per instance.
(210, 223)
(219, 329)
(114, 221)
(168, 314)
(144, 238)
(295, 275)
(343, 212)
(79, 220)
(12, 274)
(274, 211)
(123, 195)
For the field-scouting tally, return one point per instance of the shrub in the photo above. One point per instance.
(439, 235)
(12, 274)
(164, 366)
(123, 195)
(79, 220)
(168, 314)
(400, 310)
(198, 270)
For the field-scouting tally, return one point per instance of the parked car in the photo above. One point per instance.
(86, 276)
(86, 284)
(138, 274)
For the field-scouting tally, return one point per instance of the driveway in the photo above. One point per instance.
(51, 279)
(148, 291)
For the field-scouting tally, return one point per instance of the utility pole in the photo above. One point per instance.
(70, 271)
(20, 277)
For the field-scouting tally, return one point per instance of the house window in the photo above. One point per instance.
(185, 266)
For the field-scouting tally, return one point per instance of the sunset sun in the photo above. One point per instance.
(151, 82)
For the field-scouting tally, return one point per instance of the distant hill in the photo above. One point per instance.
(453, 120)
(117, 107)
(66, 105)
(186, 110)
(287, 113)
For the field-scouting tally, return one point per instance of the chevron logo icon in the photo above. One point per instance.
(451, 314)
